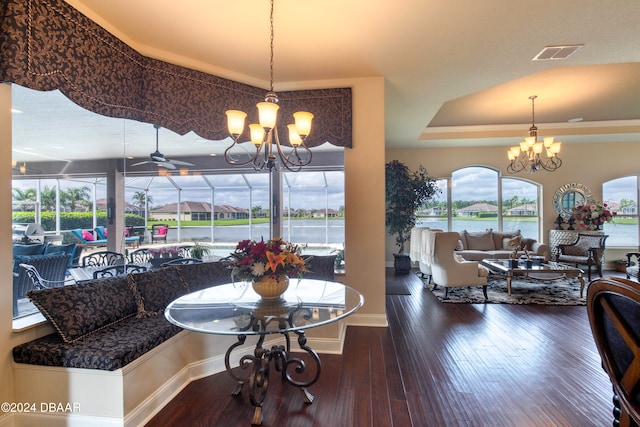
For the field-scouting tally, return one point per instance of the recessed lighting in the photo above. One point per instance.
(575, 120)
(15, 110)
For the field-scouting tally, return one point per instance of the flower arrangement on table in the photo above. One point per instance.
(592, 215)
(254, 260)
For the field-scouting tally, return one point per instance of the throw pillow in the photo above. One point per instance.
(459, 246)
(162, 231)
(154, 290)
(87, 236)
(498, 237)
(79, 310)
(510, 242)
(480, 241)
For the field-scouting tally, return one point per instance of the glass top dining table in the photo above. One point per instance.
(235, 309)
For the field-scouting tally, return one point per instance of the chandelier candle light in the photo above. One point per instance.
(263, 135)
(532, 155)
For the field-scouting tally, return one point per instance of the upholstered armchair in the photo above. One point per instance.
(415, 251)
(633, 270)
(449, 270)
(588, 249)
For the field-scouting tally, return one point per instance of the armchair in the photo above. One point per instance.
(633, 270)
(159, 232)
(588, 249)
(450, 271)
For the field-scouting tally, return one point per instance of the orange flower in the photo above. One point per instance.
(273, 261)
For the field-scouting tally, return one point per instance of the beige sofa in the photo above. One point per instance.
(476, 246)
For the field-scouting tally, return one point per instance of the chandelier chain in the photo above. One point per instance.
(271, 49)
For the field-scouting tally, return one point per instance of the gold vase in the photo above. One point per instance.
(271, 287)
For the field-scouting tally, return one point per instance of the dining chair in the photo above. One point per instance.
(613, 307)
(103, 258)
(118, 270)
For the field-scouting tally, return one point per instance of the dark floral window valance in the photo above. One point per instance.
(47, 45)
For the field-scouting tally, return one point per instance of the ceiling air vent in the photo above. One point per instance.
(556, 52)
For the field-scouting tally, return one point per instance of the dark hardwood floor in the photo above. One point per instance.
(435, 365)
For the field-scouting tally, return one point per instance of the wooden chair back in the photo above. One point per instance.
(613, 305)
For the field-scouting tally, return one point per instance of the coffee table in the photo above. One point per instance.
(235, 309)
(504, 267)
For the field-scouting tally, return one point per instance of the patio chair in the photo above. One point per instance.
(159, 232)
(181, 261)
(37, 281)
(103, 259)
(86, 238)
(129, 240)
(631, 269)
(51, 267)
(613, 306)
(140, 256)
(118, 270)
(588, 249)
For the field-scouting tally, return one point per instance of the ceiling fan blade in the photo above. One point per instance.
(167, 165)
(141, 163)
(179, 162)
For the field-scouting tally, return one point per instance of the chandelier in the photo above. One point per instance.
(532, 155)
(265, 134)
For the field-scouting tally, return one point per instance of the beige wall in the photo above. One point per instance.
(6, 286)
(589, 164)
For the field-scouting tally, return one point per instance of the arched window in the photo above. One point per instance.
(476, 198)
(621, 196)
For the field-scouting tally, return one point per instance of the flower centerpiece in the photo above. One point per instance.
(592, 215)
(268, 265)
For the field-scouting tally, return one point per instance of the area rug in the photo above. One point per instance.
(523, 291)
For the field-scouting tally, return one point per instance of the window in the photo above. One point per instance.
(53, 179)
(621, 196)
(469, 201)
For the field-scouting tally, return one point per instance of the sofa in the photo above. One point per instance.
(476, 246)
(107, 323)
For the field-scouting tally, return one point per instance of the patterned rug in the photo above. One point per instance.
(523, 291)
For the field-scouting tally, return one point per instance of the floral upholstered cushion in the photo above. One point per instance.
(154, 290)
(114, 347)
(203, 275)
(83, 309)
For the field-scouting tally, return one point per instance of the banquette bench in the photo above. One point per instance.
(112, 349)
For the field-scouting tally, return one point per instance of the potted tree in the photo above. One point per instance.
(406, 192)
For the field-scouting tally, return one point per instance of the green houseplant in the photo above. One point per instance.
(198, 250)
(406, 192)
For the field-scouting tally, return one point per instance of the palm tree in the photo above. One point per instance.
(76, 196)
(48, 199)
(28, 195)
(140, 199)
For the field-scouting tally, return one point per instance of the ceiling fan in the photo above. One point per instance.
(159, 159)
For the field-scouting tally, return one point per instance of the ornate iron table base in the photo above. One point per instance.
(283, 362)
